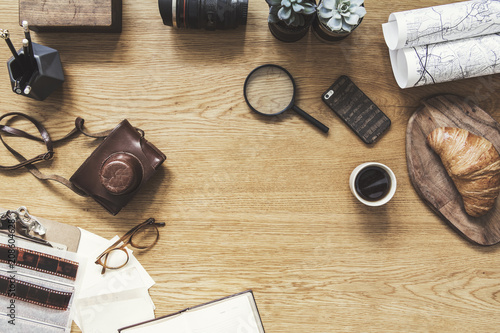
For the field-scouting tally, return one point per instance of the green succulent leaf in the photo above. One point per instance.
(274, 10)
(352, 19)
(346, 27)
(334, 24)
(301, 21)
(284, 13)
(309, 10)
(360, 11)
(341, 15)
(324, 13)
(291, 12)
(328, 4)
(292, 19)
(297, 7)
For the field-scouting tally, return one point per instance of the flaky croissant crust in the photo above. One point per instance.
(473, 164)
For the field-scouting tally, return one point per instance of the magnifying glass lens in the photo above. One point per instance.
(269, 90)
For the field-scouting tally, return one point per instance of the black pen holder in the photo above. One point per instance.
(46, 77)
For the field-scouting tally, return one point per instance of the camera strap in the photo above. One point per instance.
(49, 144)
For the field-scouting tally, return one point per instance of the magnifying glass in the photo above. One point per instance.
(270, 90)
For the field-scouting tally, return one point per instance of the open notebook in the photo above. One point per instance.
(233, 314)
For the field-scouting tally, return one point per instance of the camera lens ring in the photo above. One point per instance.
(165, 7)
(192, 14)
(174, 14)
(182, 13)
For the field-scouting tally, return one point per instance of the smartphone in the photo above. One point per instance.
(356, 109)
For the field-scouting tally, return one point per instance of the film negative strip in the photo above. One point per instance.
(34, 294)
(38, 261)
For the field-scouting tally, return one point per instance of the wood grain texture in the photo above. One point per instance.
(261, 203)
(428, 174)
(73, 15)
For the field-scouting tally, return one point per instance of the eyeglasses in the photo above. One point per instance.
(142, 236)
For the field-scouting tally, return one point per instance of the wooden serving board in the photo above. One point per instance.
(428, 175)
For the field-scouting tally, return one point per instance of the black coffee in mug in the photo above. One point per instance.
(372, 183)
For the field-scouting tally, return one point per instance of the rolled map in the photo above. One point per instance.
(444, 43)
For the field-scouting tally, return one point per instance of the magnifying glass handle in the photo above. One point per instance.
(319, 125)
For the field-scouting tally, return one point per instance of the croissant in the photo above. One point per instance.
(473, 164)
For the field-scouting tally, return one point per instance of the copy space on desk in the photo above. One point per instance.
(236, 313)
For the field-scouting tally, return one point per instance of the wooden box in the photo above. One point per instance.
(74, 15)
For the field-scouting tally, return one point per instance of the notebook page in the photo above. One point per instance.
(174, 324)
(233, 315)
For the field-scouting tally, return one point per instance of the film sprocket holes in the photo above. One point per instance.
(207, 14)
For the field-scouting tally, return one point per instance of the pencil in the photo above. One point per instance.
(27, 88)
(27, 59)
(4, 34)
(27, 35)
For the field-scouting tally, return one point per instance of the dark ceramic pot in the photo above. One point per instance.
(289, 34)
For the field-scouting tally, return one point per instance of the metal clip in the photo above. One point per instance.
(25, 224)
(30, 222)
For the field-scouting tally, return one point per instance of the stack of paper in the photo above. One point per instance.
(106, 302)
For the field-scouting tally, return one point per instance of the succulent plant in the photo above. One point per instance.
(291, 12)
(341, 15)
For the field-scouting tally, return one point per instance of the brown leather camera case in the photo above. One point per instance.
(118, 168)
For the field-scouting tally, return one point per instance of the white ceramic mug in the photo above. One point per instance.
(383, 200)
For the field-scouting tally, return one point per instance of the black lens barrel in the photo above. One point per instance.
(208, 14)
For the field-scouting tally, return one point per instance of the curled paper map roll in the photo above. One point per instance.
(442, 23)
(442, 62)
(444, 43)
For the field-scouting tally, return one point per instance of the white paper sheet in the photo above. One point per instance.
(443, 23)
(109, 312)
(110, 287)
(91, 245)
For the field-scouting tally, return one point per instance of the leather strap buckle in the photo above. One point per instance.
(48, 155)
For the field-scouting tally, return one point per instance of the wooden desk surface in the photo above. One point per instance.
(262, 204)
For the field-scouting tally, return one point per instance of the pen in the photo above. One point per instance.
(17, 87)
(4, 34)
(27, 88)
(27, 60)
(27, 35)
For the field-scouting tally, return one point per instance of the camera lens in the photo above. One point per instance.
(208, 14)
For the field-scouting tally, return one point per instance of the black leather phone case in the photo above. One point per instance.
(356, 109)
